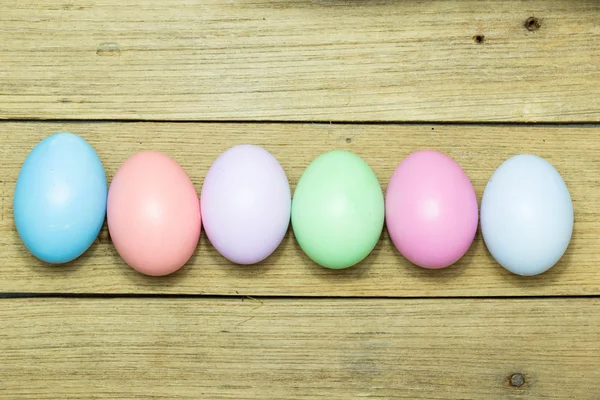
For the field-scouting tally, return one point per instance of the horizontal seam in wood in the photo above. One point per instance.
(573, 124)
(17, 295)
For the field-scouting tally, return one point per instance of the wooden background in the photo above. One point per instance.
(479, 80)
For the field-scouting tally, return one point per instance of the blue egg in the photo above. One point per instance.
(527, 215)
(60, 198)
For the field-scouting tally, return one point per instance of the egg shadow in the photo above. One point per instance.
(47, 268)
(273, 259)
(149, 282)
(349, 274)
(245, 271)
(253, 270)
(65, 269)
(547, 278)
(213, 259)
(137, 280)
(164, 283)
(441, 275)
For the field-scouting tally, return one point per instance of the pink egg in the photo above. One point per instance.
(153, 214)
(431, 209)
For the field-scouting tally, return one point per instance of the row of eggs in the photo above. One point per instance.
(337, 213)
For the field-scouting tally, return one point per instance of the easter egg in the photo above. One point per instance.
(245, 204)
(526, 215)
(338, 210)
(153, 213)
(431, 209)
(60, 198)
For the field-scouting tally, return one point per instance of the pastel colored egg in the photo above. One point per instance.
(153, 214)
(338, 210)
(246, 204)
(527, 215)
(60, 198)
(431, 209)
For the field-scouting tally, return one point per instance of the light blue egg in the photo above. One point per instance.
(60, 198)
(526, 215)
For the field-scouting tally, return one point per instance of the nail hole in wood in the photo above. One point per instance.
(348, 140)
(532, 24)
(517, 380)
(479, 39)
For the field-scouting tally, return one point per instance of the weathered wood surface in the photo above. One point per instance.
(204, 348)
(306, 60)
(479, 150)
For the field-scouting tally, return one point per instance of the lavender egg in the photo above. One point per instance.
(245, 204)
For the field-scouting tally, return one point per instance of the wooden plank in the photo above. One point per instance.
(479, 150)
(303, 349)
(304, 60)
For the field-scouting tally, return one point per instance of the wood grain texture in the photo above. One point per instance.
(306, 60)
(479, 150)
(300, 349)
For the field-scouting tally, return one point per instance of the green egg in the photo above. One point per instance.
(338, 210)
